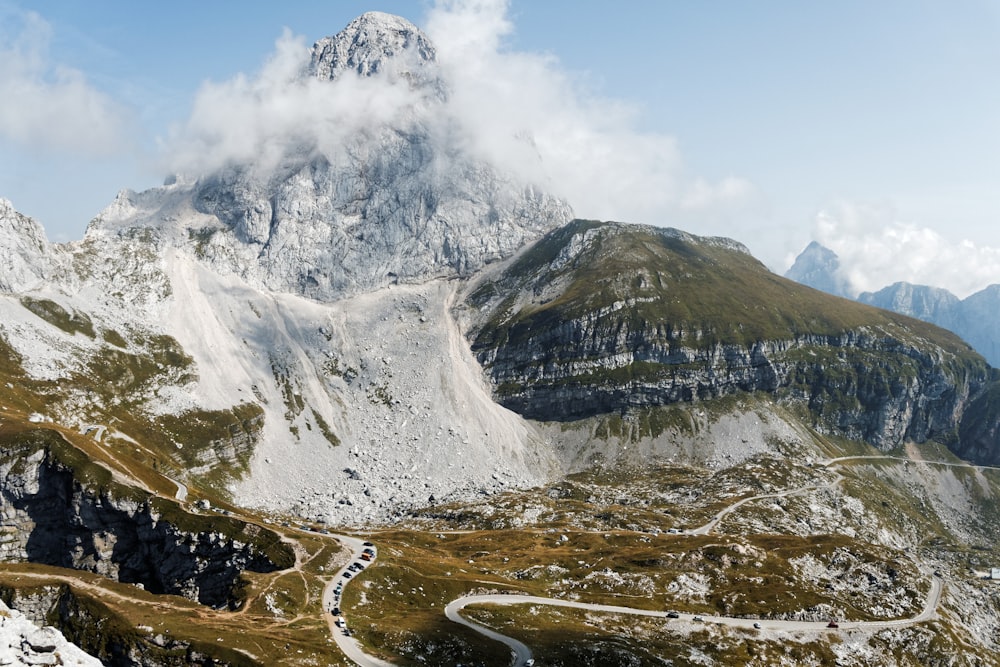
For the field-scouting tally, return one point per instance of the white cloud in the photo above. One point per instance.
(51, 106)
(876, 249)
(589, 148)
(521, 111)
(258, 120)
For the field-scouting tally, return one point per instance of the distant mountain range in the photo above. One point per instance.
(976, 318)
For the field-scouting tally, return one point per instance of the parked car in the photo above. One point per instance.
(698, 618)
(347, 575)
(832, 624)
(673, 614)
(756, 626)
(368, 544)
(336, 611)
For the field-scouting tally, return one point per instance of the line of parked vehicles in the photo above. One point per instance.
(368, 555)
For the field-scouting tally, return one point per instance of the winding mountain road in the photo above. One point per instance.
(710, 526)
(522, 652)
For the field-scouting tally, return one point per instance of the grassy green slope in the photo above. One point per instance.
(702, 290)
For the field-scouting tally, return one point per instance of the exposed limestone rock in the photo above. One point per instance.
(373, 43)
(49, 516)
(102, 633)
(25, 254)
(606, 318)
(24, 643)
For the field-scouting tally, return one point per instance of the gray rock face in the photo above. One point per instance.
(975, 318)
(390, 212)
(979, 431)
(50, 517)
(93, 627)
(817, 267)
(404, 200)
(25, 254)
(861, 400)
(600, 332)
(931, 304)
(23, 643)
(377, 43)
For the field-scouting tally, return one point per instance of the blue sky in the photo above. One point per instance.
(873, 127)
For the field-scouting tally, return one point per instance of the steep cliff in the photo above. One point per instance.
(112, 639)
(25, 254)
(60, 509)
(979, 431)
(600, 318)
(354, 200)
(24, 643)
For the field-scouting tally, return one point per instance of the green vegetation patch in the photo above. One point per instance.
(71, 322)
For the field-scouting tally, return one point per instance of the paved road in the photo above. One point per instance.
(349, 645)
(905, 460)
(522, 653)
(710, 526)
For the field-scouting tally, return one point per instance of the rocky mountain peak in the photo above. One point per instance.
(817, 266)
(24, 251)
(344, 208)
(373, 43)
(401, 199)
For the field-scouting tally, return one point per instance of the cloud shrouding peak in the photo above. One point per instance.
(520, 111)
(875, 250)
(51, 106)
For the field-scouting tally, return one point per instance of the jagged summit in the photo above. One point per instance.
(817, 266)
(402, 199)
(25, 255)
(372, 43)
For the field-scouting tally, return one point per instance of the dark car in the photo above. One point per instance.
(368, 544)
(336, 611)
(347, 575)
(673, 614)
(832, 624)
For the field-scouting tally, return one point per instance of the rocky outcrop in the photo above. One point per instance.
(387, 214)
(864, 385)
(24, 643)
(602, 332)
(378, 43)
(25, 254)
(979, 431)
(104, 634)
(52, 514)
